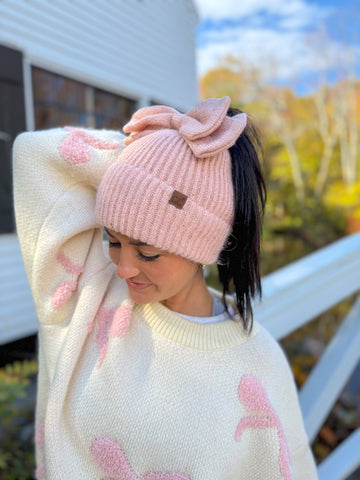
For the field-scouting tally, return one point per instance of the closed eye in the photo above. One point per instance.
(146, 258)
(114, 245)
(141, 256)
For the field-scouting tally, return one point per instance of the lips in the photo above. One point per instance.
(136, 285)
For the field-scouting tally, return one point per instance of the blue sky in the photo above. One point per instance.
(294, 42)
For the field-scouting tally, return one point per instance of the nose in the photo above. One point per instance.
(126, 267)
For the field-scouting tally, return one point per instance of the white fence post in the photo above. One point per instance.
(343, 461)
(331, 373)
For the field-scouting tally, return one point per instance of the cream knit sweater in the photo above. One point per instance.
(130, 392)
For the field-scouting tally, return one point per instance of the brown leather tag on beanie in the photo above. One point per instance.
(178, 199)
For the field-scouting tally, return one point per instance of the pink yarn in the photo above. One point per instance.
(65, 289)
(103, 321)
(40, 472)
(110, 323)
(75, 148)
(68, 265)
(39, 435)
(109, 455)
(62, 294)
(253, 396)
(90, 325)
(121, 321)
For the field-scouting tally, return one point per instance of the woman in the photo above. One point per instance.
(144, 373)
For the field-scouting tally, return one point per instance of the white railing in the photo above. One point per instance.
(294, 295)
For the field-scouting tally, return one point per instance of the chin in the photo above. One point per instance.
(141, 299)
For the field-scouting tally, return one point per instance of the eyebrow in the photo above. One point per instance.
(133, 242)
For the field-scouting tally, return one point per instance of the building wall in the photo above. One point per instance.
(141, 50)
(17, 310)
(144, 49)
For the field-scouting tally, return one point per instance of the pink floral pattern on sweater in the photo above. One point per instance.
(40, 435)
(263, 415)
(110, 323)
(65, 289)
(39, 441)
(40, 472)
(76, 147)
(111, 458)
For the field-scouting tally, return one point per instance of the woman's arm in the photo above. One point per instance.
(56, 175)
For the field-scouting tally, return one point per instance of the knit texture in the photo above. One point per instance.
(130, 392)
(172, 185)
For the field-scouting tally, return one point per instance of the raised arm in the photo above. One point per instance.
(56, 175)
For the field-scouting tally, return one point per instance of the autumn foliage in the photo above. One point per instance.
(311, 153)
(311, 161)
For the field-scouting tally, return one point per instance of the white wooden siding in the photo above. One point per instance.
(144, 49)
(17, 311)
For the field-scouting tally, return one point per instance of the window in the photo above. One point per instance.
(12, 122)
(60, 101)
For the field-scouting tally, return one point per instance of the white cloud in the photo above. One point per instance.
(268, 33)
(216, 10)
(261, 47)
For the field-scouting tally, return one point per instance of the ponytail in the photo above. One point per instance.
(239, 261)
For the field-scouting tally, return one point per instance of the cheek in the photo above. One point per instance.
(177, 274)
(156, 275)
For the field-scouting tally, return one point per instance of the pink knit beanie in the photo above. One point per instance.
(172, 185)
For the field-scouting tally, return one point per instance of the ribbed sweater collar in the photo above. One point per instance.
(184, 332)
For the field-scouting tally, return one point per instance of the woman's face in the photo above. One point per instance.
(154, 275)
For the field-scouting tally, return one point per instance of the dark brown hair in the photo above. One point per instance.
(239, 261)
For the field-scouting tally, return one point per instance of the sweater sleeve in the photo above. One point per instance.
(287, 404)
(56, 176)
(302, 460)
